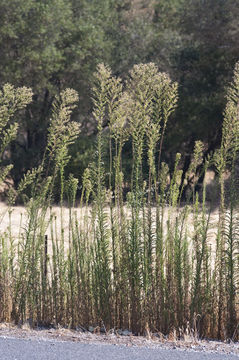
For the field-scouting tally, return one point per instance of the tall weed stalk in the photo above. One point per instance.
(137, 255)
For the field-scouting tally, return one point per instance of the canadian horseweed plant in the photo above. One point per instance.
(142, 255)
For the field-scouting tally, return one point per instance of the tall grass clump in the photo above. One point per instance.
(31, 290)
(227, 237)
(146, 254)
(12, 100)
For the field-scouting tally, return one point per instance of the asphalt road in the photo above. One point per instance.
(21, 349)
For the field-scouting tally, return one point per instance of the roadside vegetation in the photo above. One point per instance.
(119, 266)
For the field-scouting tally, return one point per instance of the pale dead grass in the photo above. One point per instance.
(19, 221)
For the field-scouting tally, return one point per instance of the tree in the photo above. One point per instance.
(210, 33)
(50, 45)
(197, 44)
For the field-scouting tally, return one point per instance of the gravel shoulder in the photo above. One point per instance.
(137, 344)
(25, 349)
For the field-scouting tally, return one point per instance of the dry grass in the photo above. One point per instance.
(156, 341)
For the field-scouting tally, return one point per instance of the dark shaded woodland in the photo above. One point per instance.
(49, 45)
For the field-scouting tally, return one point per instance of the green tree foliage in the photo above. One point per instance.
(210, 53)
(33, 35)
(46, 45)
(49, 45)
(32, 40)
(202, 61)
